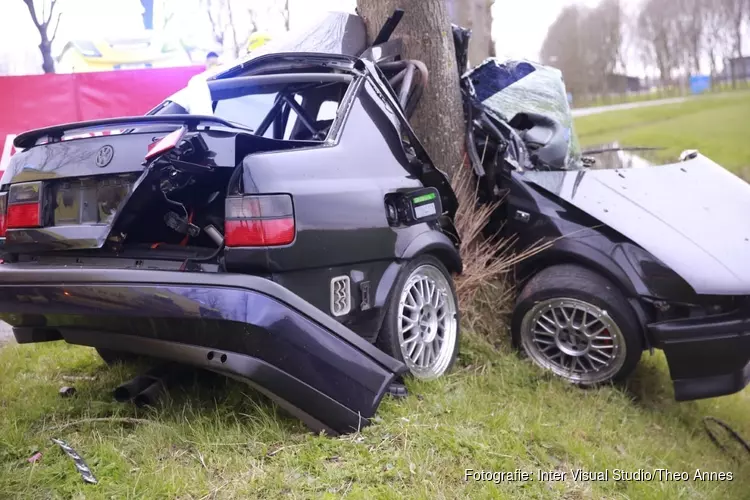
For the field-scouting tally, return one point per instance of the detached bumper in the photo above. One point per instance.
(245, 327)
(708, 356)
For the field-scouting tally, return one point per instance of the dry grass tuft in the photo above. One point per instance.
(485, 288)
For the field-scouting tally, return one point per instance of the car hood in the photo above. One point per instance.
(694, 216)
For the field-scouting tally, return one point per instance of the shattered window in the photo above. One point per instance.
(281, 110)
(247, 110)
(507, 88)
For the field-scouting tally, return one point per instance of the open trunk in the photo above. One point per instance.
(153, 187)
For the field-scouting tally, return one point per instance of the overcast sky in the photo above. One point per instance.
(519, 26)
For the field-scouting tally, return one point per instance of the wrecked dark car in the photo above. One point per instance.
(277, 221)
(629, 259)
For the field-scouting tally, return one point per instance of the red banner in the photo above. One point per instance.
(28, 102)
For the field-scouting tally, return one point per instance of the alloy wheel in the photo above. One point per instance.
(576, 340)
(427, 323)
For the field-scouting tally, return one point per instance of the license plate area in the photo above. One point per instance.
(89, 201)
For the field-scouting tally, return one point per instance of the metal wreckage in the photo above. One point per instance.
(278, 221)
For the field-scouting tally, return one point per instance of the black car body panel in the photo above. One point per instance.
(705, 336)
(679, 213)
(708, 356)
(659, 234)
(244, 326)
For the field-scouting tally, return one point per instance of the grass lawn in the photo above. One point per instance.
(717, 125)
(216, 438)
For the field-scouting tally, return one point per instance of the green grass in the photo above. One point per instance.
(216, 438)
(717, 125)
(662, 93)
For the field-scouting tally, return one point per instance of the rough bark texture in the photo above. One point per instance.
(425, 30)
(475, 15)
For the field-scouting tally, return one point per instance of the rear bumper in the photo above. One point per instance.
(242, 326)
(707, 356)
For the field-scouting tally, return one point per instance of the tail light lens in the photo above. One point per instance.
(3, 213)
(24, 206)
(259, 221)
(166, 143)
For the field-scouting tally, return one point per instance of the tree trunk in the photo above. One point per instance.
(425, 30)
(48, 62)
(475, 15)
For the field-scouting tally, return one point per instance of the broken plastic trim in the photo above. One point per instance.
(167, 143)
(389, 27)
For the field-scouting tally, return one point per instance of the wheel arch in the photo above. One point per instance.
(566, 252)
(609, 270)
(433, 243)
(439, 245)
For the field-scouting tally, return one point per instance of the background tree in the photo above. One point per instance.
(475, 15)
(425, 30)
(659, 31)
(602, 44)
(737, 13)
(716, 34)
(692, 24)
(47, 21)
(563, 47)
(221, 16)
(285, 13)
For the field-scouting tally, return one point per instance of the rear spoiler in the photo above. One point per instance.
(55, 133)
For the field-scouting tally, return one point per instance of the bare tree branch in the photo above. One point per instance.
(216, 30)
(54, 31)
(43, 26)
(285, 14)
(233, 27)
(52, 5)
(32, 11)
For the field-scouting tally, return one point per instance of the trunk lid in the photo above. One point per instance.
(67, 190)
(693, 216)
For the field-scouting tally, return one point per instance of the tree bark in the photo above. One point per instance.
(427, 35)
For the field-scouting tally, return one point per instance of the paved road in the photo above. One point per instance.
(621, 107)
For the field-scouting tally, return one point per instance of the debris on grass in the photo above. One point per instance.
(80, 463)
(77, 378)
(66, 391)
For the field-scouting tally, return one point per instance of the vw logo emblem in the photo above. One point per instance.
(104, 156)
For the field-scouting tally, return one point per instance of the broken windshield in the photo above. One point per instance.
(508, 88)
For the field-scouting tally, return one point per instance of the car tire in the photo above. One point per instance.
(421, 325)
(575, 323)
(112, 357)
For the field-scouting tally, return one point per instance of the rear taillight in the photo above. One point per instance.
(24, 206)
(3, 213)
(166, 143)
(258, 221)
